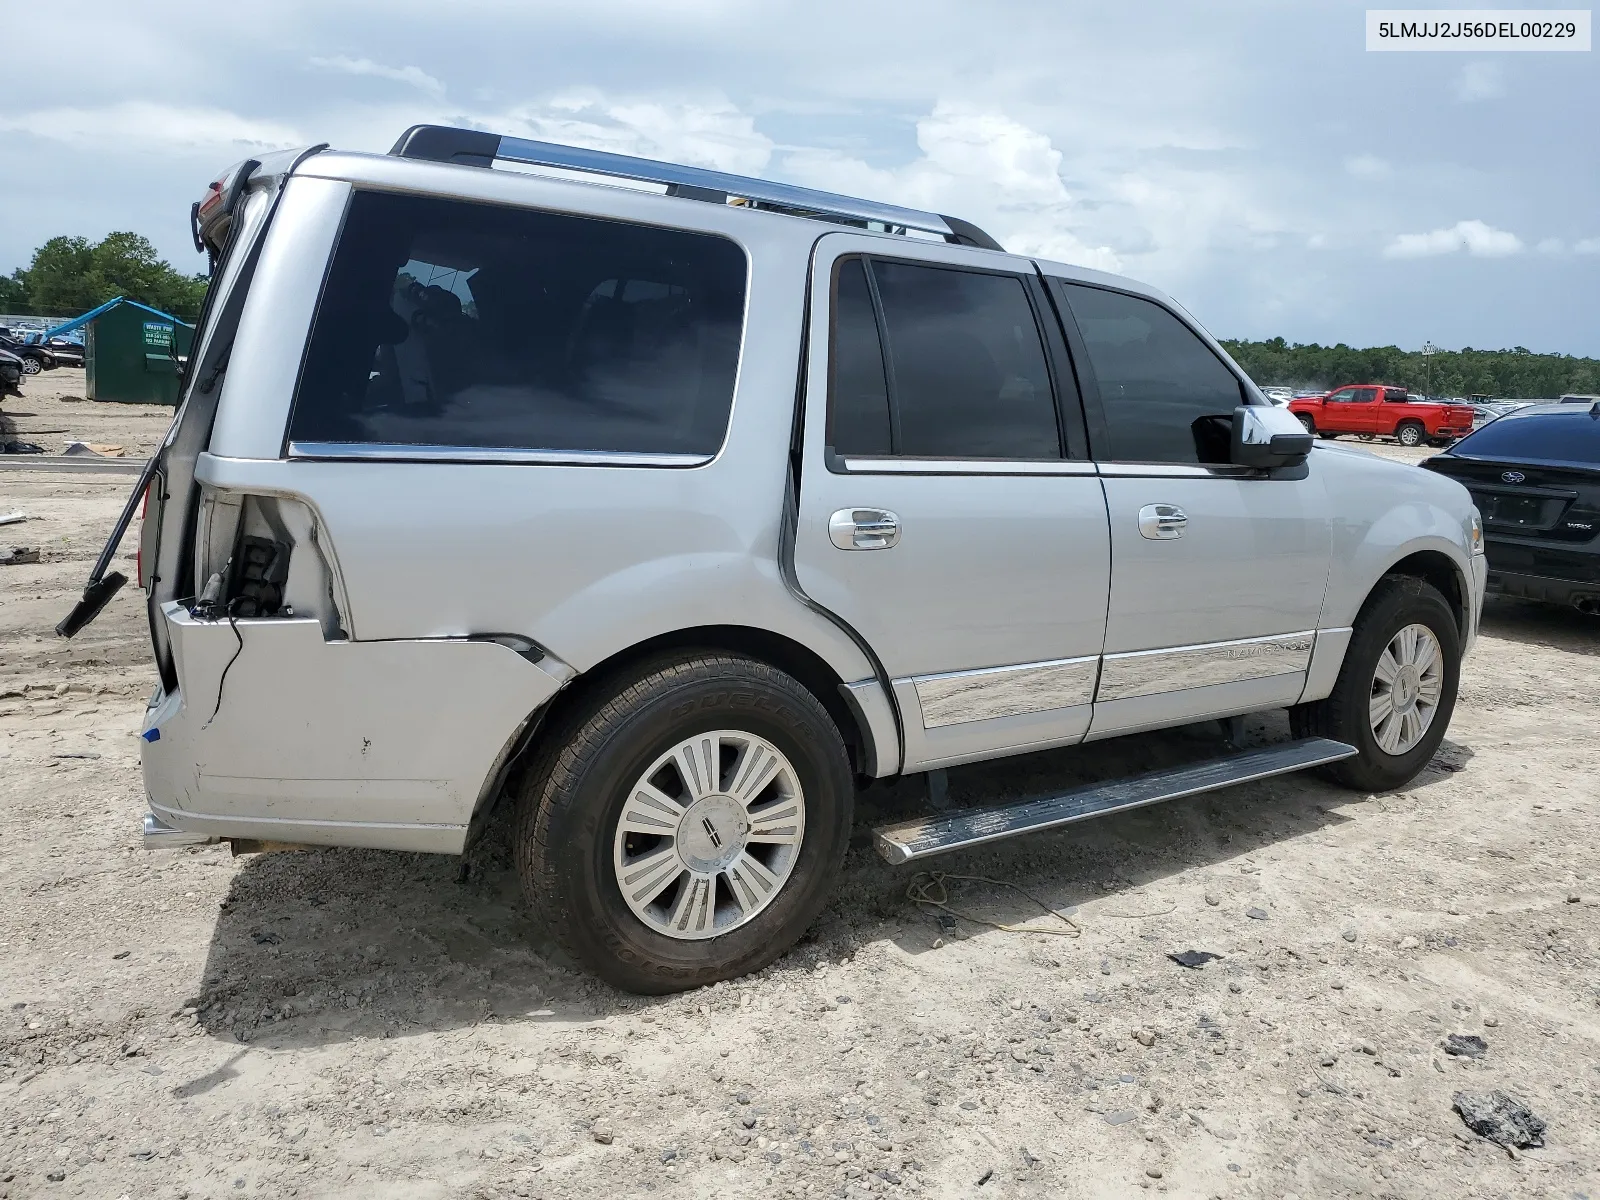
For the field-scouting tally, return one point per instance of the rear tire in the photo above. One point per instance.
(1360, 707)
(581, 826)
(1411, 433)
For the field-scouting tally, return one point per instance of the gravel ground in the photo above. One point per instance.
(351, 1023)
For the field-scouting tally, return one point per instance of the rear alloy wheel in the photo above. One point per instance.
(710, 834)
(1411, 433)
(685, 823)
(1396, 689)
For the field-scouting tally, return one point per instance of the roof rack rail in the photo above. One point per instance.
(474, 148)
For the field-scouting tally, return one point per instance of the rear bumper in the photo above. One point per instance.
(1543, 587)
(389, 745)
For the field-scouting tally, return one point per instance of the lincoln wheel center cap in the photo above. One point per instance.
(712, 834)
(1407, 685)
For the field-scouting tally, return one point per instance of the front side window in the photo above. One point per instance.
(1342, 396)
(449, 323)
(1166, 396)
(937, 362)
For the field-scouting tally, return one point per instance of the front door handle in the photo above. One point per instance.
(863, 529)
(1162, 522)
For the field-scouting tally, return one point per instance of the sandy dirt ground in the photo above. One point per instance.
(364, 1024)
(51, 412)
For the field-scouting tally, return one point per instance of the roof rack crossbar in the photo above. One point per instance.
(472, 147)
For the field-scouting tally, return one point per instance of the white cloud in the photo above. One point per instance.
(705, 132)
(980, 165)
(1588, 246)
(1367, 166)
(1480, 81)
(415, 76)
(1476, 238)
(144, 125)
(1551, 246)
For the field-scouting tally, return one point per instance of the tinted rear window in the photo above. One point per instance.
(446, 323)
(969, 372)
(1551, 437)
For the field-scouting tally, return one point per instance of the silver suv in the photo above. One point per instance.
(669, 506)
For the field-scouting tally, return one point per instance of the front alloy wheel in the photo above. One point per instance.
(710, 833)
(31, 366)
(1396, 688)
(1407, 684)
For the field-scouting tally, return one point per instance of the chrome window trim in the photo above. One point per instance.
(958, 697)
(1127, 675)
(1137, 470)
(885, 465)
(400, 452)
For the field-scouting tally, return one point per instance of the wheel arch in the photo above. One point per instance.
(1447, 577)
(865, 745)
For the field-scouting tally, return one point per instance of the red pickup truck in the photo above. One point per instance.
(1378, 410)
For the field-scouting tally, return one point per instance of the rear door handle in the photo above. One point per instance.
(1162, 522)
(863, 529)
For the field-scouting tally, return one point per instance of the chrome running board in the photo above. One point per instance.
(927, 836)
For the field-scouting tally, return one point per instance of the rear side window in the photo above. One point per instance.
(447, 323)
(1551, 437)
(960, 368)
(1166, 397)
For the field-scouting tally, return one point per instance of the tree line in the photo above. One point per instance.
(70, 275)
(1517, 373)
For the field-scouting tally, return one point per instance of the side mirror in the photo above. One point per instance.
(1267, 438)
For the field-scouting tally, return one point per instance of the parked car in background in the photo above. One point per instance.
(10, 373)
(1382, 410)
(1535, 477)
(1278, 395)
(1579, 398)
(34, 358)
(67, 353)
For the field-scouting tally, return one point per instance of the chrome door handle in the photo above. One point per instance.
(863, 529)
(1162, 522)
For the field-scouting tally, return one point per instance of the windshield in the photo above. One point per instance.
(1555, 437)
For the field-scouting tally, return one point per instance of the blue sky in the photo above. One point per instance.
(1250, 158)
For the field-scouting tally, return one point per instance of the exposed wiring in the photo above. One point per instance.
(233, 624)
(929, 888)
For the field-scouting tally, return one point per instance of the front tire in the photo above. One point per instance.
(1411, 434)
(687, 823)
(1307, 420)
(1396, 690)
(31, 366)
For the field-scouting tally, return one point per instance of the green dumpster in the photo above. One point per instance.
(134, 354)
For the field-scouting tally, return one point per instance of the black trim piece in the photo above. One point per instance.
(687, 191)
(891, 382)
(440, 143)
(968, 234)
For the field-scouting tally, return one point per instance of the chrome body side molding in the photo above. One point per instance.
(1149, 672)
(960, 696)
